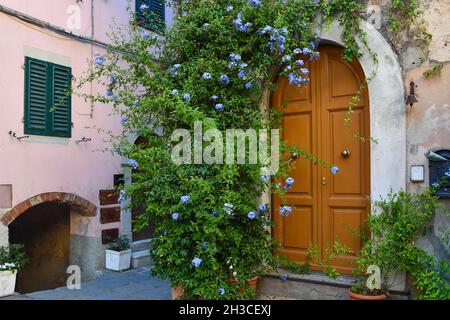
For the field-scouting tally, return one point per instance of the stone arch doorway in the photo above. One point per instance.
(327, 208)
(43, 225)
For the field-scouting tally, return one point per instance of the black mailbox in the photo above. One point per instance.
(438, 170)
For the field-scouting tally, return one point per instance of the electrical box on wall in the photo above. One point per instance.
(439, 174)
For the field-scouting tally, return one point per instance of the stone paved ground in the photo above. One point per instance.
(135, 284)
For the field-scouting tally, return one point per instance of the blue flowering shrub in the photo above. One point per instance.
(212, 232)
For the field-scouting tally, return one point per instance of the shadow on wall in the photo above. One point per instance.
(44, 230)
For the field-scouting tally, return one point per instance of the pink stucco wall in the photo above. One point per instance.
(48, 164)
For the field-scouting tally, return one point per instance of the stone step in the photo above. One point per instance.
(141, 259)
(314, 286)
(141, 245)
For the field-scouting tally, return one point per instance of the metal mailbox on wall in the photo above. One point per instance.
(440, 173)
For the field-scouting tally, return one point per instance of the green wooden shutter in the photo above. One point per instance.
(60, 110)
(36, 96)
(154, 18)
(159, 10)
(47, 99)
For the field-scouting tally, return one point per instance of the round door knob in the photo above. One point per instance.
(345, 153)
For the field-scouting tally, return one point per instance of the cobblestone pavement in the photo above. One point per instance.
(135, 284)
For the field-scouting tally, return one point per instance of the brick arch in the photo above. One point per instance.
(82, 206)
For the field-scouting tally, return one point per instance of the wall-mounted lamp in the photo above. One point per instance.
(84, 139)
(411, 98)
(14, 135)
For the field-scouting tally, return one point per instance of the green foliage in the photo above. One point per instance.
(406, 17)
(331, 252)
(434, 71)
(138, 75)
(391, 246)
(12, 257)
(121, 243)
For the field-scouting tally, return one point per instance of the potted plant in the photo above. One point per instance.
(391, 248)
(118, 254)
(12, 259)
(361, 291)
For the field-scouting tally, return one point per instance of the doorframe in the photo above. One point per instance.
(386, 108)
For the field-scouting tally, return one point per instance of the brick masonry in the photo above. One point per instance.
(84, 207)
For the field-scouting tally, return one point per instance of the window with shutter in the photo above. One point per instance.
(47, 98)
(152, 18)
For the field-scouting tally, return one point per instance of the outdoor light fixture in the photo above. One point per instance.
(411, 99)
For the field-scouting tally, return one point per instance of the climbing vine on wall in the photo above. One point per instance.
(406, 16)
(212, 67)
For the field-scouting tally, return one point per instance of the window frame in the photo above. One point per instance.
(49, 129)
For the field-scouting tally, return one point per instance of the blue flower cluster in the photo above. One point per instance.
(219, 107)
(185, 199)
(207, 76)
(175, 68)
(99, 59)
(285, 211)
(224, 79)
(133, 163)
(277, 37)
(240, 25)
(196, 262)
(175, 216)
(143, 7)
(262, 208)
(334, 170)
(254, 3)
(251, 215)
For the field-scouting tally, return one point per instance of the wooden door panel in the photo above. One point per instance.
(326, 208)
(348, 180)
(298, 229)
(344, 205)
(342, 81)
(298, 131)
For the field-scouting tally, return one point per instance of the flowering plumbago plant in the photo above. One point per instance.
(212, 66)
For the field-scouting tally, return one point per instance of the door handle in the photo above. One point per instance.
(345, 153)
(324, 181)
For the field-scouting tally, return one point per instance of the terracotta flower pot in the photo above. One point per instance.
(177, 292)
(252, 283)
(355, 296)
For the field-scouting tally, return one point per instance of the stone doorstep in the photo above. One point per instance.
(141, 259)
(313, 286)
(141, 245)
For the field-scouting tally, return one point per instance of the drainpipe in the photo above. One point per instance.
(92, 54)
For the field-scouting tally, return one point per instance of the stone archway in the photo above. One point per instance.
(43, 224)
(78, 204)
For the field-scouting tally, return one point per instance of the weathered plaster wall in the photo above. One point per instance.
(428, 121)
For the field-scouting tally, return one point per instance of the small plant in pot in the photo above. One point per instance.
(361, 291)
(118, 254)
(12, 259)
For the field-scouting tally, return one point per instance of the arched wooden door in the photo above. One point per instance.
(326, 207)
